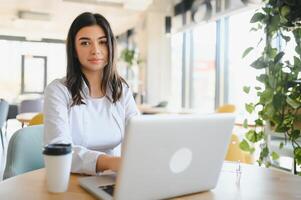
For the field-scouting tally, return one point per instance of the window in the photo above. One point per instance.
(34, 74)
(203, 81)
(11, 65)
(176, 70)
(240, 72)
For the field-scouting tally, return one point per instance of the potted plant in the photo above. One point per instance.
(279, 98)
(130, 57)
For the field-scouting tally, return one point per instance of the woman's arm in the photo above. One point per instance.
(105, 162)
(57, 130)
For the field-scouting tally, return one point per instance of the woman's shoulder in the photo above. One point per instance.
(57, 85)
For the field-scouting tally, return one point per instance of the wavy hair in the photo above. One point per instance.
(75, 77)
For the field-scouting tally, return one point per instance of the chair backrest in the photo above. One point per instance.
(226, 108)
(13, 111)
(3, 112)
(31, 105)
(24, 151)
(37, 120)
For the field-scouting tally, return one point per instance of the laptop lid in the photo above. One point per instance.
(171, 155)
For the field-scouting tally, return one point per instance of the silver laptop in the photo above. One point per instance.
(166, 156)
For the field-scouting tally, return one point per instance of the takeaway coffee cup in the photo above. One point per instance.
(57, 159)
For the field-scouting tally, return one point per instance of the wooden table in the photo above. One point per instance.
(25, 118)
(255, 183)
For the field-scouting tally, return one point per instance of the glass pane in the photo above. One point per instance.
(176, 70)
(203, 71)
(240, 72)
(34, 70)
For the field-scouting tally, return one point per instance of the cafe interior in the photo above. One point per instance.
(178, 57)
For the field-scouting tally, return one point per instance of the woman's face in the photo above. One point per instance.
(91, 48)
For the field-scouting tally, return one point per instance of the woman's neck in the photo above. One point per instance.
(94, 79)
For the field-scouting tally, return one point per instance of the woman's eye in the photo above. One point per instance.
(103, 42)
(84, 43)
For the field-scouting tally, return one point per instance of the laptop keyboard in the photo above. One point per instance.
(108, 189)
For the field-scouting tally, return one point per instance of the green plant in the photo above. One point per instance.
(279, 100)
(129, 56)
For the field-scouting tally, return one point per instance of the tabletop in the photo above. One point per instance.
(254, 183)
(26, 117)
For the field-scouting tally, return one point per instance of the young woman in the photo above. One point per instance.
(90, 107)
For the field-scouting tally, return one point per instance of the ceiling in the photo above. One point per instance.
(36, 19)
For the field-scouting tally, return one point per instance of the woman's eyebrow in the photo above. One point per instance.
(86, 38)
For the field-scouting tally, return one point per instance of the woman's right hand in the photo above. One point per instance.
(105, 162)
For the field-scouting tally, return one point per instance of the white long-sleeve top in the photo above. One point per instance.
(93, 128)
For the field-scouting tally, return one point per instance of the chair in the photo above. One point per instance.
(12, 114)
(227, 108)
(24, 151)
(37, 120)
(234, 153)
(31, 105)
(4, 106)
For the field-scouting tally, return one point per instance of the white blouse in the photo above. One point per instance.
(94, 128)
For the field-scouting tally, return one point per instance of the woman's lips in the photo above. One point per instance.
(96, 61)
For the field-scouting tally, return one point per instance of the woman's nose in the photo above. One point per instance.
(95, 49)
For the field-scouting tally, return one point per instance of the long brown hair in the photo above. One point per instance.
(75, 77)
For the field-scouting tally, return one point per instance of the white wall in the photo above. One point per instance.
(158, 77)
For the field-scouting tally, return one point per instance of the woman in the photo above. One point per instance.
(90, 107)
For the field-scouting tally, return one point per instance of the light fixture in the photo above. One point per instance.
(201, 10)
(31, 15)
(99, 2)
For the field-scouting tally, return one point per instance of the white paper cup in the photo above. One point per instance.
(58, 158)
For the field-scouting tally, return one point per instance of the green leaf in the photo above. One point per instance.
(279, 100)
(294, 104)
(274, 23)
(245, 123)
(264, 152)
(297, 155)
(259, 122)
(278, 57)
(260, 135)
(244, 145)
(262, 78)
(249, 107)
(295, 134)
(266, 96)
(274, 155)
(257, 17)
(285, 10)
(247, 51)
(246, 89)
(251, 136)
(297, 62)
(259, 63)
(281, 145)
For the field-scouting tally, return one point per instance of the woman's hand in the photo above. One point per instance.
(105, 162)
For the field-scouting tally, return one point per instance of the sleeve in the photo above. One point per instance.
(57, 128)
(130, 104)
